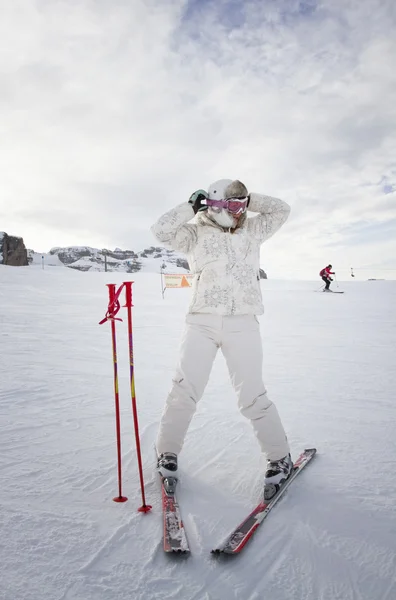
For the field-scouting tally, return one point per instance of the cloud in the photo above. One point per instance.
(115, 111)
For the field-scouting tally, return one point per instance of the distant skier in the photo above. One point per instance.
(325, 275)
(223, 248)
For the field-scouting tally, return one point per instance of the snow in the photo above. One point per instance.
(50, 260)
(153, 265)
(329, 366)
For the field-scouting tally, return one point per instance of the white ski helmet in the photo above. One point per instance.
(223, 189)
(217, 189)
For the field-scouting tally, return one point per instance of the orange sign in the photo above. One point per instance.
(178, 280)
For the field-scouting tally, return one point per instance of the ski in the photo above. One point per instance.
(237, 540)
(175, 539)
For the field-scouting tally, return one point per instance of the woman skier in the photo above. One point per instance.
(325, 275)
(223, 251)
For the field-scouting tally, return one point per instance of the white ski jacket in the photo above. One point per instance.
(225, 263)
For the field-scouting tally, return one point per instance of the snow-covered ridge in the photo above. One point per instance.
(86, 258)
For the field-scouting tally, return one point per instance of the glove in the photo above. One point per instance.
(196, 200)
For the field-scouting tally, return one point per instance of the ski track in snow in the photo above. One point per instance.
(329, 366)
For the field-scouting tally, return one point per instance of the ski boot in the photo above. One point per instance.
(278, 471)
(167, 468)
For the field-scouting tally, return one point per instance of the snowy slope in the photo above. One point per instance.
(330, 368)
(39, 259)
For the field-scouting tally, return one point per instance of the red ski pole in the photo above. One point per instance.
(110, 316)
(128, 304)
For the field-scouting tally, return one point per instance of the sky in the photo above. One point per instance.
(112, 112)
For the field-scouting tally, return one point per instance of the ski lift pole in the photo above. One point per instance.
(128, 304)
(162, 283)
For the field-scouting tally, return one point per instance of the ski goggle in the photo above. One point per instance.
(235, 206)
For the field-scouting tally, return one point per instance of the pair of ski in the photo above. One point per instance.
(175, 539)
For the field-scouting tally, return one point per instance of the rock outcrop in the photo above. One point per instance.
(12, 251)
(263, 274)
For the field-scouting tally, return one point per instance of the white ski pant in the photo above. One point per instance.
(239, 338)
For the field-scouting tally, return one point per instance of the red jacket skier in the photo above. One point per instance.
(325, 275)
